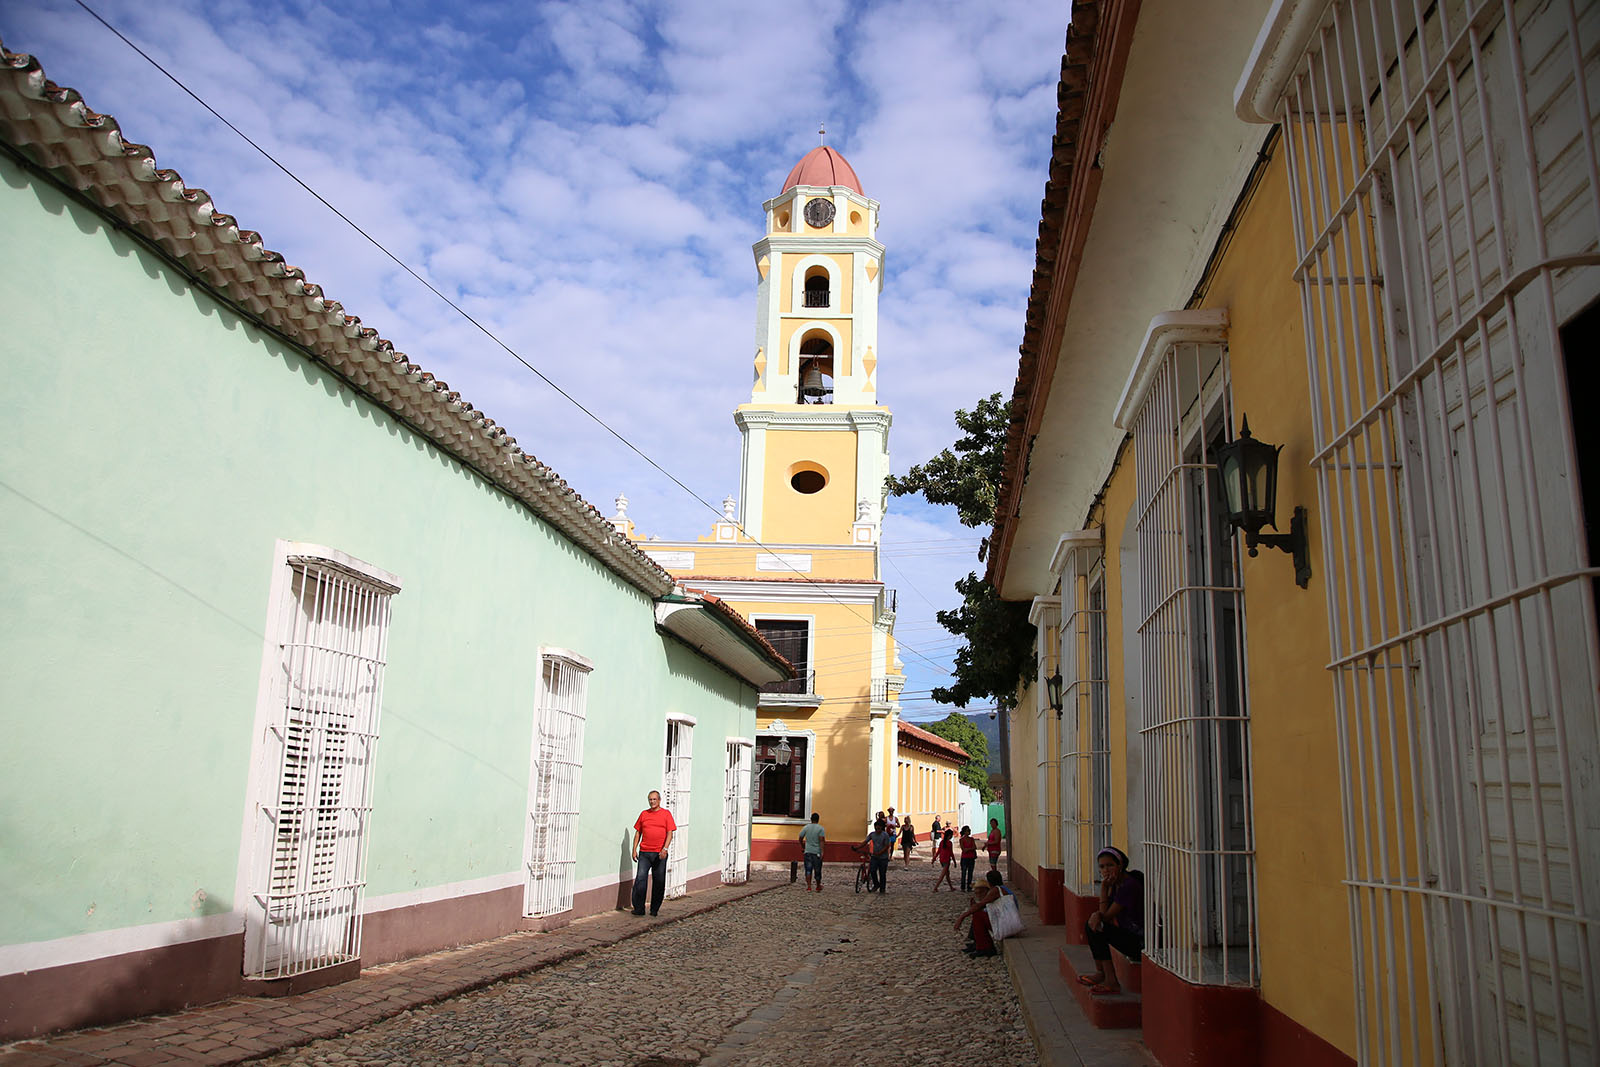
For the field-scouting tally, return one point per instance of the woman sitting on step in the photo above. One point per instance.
(1118, 923)
(982, 940)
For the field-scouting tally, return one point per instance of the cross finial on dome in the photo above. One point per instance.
(822, 132)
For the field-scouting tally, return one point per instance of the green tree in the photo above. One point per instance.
(967, 474)
(998, 654)
(959, 728)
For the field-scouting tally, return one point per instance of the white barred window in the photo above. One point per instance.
(676, 778)
(1199, 843)
(1046, 618)
(1446, 206)
(737, 775)
(317, 717)
(550, 844)
(1086, 711)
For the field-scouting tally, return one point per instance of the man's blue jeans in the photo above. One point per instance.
(650, 863)
(879, 872)
(814, 864)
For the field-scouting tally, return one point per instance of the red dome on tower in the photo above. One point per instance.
(822, 166)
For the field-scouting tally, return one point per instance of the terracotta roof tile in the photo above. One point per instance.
(926, 740)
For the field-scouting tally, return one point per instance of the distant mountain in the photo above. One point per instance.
(988, 727)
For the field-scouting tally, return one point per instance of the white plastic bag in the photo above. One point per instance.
(1004, 918)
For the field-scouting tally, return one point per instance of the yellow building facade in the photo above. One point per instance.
(797, 551)
(1351, 749)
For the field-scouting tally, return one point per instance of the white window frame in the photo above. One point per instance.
(737, 781)
(555, 776)
(780, 730)
(312, 761)
(809, 697)
(677, 779)
(1445, 190)
(1200, 897)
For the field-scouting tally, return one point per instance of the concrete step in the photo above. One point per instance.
(1122, 1011)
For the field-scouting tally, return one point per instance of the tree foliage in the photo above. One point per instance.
(967, 474)
(998, 654)
(975, 772)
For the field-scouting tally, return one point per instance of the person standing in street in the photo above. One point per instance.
(881, 845)
(652, 837)
(969, 858)
(993, 844)
(812, 836)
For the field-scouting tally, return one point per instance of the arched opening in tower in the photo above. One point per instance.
(817, 287)
(816, 369)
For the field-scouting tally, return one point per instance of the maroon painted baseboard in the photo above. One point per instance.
(1285, 1041)
(1020, 878)
(109, 990)
(1052, 907)
(1199, 1025)
(1078, 909)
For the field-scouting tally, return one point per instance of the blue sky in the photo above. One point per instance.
(586, 179)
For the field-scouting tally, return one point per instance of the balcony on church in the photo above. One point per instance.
(801, 689)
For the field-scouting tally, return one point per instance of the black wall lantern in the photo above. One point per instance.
(1248, 471)
(1052, 686)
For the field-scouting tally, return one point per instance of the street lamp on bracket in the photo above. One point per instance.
(1247, 471)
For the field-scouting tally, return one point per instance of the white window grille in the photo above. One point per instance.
(736, 813)
(1199, 848)
(550, 843)
(1046, 618)
(321, 692)
(675, 798)
(1085, 712)
(1446, 202)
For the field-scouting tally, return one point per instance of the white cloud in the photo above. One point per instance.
(586, 179)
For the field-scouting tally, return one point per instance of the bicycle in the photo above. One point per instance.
(864, 872)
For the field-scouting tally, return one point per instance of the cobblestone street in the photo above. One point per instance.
(785, 977)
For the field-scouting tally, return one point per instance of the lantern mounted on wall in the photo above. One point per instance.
(1052, 687)
(1248, 472)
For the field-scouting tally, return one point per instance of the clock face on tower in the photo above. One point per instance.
(819, 212)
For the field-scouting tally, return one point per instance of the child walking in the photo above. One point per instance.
(946, 853)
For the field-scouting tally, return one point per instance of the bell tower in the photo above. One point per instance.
(816, 440)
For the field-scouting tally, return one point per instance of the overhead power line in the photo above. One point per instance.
(479, 326)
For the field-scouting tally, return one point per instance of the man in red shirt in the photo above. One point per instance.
(652, 836)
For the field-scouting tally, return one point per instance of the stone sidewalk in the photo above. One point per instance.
(249, 1028)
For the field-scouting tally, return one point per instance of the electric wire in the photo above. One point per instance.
(479, 326)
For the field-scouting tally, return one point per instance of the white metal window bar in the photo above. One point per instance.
(1446, 204)
(1046, 618)
(675, 798)
(736, 779)
(326, 668)
(1199, 847)
(550, 844)
(1085, 742)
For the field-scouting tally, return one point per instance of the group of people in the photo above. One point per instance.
(944, 852)
(1116, 923)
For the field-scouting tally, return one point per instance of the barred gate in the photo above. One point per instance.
(737, 777)
(323, 682)
(1195, 738)
(675, 798)
(550, 847)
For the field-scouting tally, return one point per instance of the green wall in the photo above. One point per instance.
(154, 446)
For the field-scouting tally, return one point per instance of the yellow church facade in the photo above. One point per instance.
(797, 552)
